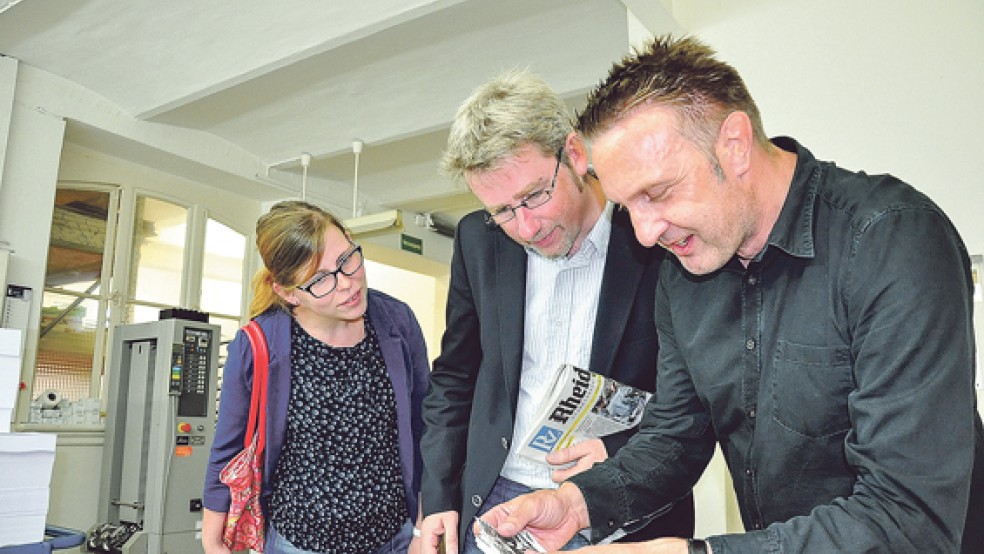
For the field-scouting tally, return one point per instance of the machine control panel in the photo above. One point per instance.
(189, 371)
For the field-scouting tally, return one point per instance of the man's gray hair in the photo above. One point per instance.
(514, 110)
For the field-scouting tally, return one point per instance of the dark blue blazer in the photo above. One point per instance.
(471, 405)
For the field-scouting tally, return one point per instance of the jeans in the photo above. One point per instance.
(504, 490)
(277, 544)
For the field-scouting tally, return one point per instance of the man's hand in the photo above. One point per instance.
(583, 455)
(552, 516)
(436, 526)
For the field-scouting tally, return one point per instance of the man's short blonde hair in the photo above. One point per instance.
(512, 111)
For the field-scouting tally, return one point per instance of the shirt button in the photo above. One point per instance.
(476, 500)
(749, 472)
(752, 279)
(749, 344)
(752, 413)
(505, 443)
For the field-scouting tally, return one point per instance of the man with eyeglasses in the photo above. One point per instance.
(549, 273)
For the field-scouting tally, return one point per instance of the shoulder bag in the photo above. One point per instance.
(244, 528)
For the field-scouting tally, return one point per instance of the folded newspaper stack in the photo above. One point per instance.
(491, 542)
(582, 404)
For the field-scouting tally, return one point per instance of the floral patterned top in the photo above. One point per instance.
(338, 486)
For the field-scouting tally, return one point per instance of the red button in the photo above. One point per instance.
(184, 427)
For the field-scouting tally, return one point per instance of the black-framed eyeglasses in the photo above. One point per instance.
(324, 282)
(531, 201)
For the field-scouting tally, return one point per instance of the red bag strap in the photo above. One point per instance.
(257, 405)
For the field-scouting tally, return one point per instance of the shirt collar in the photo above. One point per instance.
(793, 231)
(596, 243)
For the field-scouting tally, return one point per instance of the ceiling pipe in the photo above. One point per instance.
(288, 161)
(357, 150)
(305, 163)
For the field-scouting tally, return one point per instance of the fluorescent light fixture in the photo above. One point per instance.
(380, 223)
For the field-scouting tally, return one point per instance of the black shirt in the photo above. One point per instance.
(836, 371)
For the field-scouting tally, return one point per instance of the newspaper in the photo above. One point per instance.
(582, 404)
(491, 542)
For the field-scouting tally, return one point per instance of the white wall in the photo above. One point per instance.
(885, 86)
(26, 200)
(421, 283)
(8, 80)
(75, 480)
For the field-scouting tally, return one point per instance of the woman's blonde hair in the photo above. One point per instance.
(291, 240)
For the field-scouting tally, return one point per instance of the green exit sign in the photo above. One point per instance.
(411, 244)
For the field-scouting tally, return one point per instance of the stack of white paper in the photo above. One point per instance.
(11, 341)
(26, 461)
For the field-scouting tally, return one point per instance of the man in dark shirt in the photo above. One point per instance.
(815, 322)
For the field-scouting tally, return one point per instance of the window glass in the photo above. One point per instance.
(66, 345)
(74, 310)
(222, 272)
(157, 259)
(78, 311)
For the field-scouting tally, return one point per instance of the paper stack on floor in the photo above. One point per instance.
(26, 462)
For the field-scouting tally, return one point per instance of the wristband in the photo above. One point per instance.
(416, 531)
(696, 546)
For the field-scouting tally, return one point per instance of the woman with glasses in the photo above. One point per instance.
(348, 369)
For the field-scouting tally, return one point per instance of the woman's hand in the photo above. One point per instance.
(213, 523)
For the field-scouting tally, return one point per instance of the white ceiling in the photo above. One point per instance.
(278, 79)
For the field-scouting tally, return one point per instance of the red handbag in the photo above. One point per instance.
(244, 528)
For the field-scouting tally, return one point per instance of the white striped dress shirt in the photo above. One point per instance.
(561, 308)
